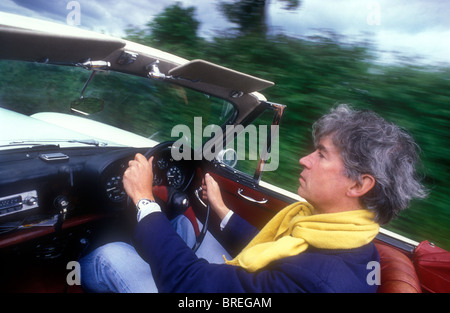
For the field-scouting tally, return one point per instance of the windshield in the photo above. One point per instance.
(132, 107)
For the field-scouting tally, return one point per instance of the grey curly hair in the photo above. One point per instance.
(368, 144)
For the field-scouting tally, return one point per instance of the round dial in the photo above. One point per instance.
(162, 164)
(114, 188)
(174, 177)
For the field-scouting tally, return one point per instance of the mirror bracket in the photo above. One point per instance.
(87, 106)
(154, 72)
(95, 65)
(228, 157)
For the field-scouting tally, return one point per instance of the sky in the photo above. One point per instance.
(418, 28)
(411, 27)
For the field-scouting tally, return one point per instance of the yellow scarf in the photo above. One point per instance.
(294, 228)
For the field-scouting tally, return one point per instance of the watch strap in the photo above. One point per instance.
(145, 207)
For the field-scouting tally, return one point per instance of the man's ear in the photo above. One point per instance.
(360, 189)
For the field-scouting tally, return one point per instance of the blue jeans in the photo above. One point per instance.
(117, 267)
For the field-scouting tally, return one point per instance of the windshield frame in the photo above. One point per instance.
(133, 83)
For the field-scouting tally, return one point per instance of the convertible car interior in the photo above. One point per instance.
(76, 106)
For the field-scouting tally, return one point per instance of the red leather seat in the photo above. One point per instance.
(398, 274)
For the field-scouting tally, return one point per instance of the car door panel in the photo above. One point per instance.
(253, 202)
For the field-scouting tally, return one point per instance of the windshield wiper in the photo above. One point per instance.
(90, 142)
(30, 145)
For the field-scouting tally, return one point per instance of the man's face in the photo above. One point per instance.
(322, 181)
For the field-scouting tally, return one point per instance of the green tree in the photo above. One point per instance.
(313, 75)
(174, 29)
(251, 15)
(174, 25)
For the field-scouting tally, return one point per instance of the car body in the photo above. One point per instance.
(76, 106)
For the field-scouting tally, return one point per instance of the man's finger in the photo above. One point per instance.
(132, 163)
(140, 158)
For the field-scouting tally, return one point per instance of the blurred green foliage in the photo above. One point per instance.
(311, 76)
(315, 74)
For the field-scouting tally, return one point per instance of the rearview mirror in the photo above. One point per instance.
(227, 157)
(86, 106)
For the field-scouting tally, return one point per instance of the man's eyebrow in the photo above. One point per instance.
(322, 148)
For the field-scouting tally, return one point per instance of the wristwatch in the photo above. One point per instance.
(144, 203)
(146, 206)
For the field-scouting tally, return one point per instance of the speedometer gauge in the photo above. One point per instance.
(174, 177)
(114, 188)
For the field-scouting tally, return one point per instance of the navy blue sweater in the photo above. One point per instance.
(176, 268)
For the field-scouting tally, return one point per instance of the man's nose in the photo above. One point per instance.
(305, 161)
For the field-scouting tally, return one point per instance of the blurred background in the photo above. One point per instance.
(391, 57)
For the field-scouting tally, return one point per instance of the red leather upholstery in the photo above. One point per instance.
(398, 274)
(433, 267)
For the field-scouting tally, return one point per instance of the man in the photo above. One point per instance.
(361, 174)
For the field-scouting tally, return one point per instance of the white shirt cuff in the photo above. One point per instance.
(225, 220)
(151, 208)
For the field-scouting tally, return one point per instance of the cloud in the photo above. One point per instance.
(108, 16)
(410, 26)
(404, 16)
(427, 47)
(113, 16)
(53, 8)
(415, 16)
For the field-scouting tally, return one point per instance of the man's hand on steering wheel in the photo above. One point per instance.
(138, 178)
(211, 194)
(138, 184)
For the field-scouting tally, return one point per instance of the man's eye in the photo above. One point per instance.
(321, 155)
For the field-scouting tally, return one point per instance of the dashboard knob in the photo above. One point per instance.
(61, 203)
(30, 200)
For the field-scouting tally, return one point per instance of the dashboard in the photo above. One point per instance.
(166, 172)
(44, 185)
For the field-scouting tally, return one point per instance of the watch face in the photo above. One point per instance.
(143, 203)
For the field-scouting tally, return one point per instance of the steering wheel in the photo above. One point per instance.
(171, 197)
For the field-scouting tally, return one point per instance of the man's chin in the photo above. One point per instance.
(301, 192)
